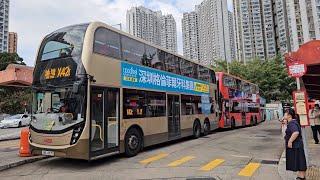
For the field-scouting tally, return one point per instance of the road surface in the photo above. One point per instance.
(244, 153)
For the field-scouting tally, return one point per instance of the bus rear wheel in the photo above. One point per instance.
(133, 142)
(233, 123)
(251, 121)
(206, 128)
(196, 129)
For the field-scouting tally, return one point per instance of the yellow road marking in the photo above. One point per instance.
(249, 169)
(180, 161)
(154, 158)
(211, 165)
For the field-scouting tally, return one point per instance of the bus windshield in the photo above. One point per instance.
(57, 109)
(66, 42)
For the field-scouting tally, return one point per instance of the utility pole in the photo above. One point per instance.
(228, 67)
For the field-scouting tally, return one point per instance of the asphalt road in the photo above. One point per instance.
(245, 153)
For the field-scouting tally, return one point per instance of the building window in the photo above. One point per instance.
(107, 42)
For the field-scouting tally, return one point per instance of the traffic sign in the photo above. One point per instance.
(297, 70)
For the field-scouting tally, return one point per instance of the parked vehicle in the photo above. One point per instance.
(2, 116)
(17, 120)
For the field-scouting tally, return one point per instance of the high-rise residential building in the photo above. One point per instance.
(214, 39)
(303, 20)
(255, 31)
(190, 36)
(168, 33)
(4, 25)
(281, 26)
(13, 42)
(145, 24)
(153, 27)
(232, 35)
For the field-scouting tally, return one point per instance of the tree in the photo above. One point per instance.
(270, 75)
(9, 58)
(13, 99)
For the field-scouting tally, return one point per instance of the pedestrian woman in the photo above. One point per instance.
(295, 157)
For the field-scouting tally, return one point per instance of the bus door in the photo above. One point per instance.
(226, 110)
(243, 112)
(104, 132)
(173, 116)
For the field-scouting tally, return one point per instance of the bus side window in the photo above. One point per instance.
(107, 43)
(132, 50)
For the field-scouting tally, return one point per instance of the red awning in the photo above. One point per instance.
(308, 54)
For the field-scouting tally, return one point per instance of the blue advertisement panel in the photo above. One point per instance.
(144, 77)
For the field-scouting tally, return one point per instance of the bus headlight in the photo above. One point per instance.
(76, 133)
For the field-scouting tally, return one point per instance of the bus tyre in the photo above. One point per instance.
(233, 123)
(251, 121)
(133, 142)
(196, 129)
(206, 128)
(255, 120)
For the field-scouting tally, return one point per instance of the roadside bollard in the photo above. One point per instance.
(24, 143)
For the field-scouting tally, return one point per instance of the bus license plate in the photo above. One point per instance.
(47, 153)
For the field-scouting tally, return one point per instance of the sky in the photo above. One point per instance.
(33, 19)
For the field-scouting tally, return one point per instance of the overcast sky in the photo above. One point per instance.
(33, 19)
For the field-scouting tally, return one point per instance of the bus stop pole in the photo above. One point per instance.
(303, 131)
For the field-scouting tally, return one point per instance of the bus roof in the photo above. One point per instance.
(223, 73)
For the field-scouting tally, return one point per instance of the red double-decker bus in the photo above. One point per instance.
(239, 101)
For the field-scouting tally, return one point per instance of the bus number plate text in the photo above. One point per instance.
(47, 153)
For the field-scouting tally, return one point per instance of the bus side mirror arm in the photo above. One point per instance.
(91, 78)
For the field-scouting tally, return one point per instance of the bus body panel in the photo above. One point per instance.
(242, 118)
(106, 73)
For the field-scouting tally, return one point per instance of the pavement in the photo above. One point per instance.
(245, 153)
(313, 172)
(9, 155)
(10, 133)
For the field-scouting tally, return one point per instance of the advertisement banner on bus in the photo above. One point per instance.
(144, 77)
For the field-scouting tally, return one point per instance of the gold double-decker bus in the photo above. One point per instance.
(98, 91)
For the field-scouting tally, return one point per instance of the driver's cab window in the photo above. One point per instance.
(55, 49)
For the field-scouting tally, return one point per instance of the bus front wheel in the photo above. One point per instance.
(133, 142)
(206, 128)
(196, 129)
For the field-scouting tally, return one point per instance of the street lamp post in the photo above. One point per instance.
(120, 25)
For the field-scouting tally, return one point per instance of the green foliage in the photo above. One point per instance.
(271, 76)
(12, 99)
(9, 58)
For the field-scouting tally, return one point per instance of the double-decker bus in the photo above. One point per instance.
(98, 91)
(239, 101)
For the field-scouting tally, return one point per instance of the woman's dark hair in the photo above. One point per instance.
(292, 113)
